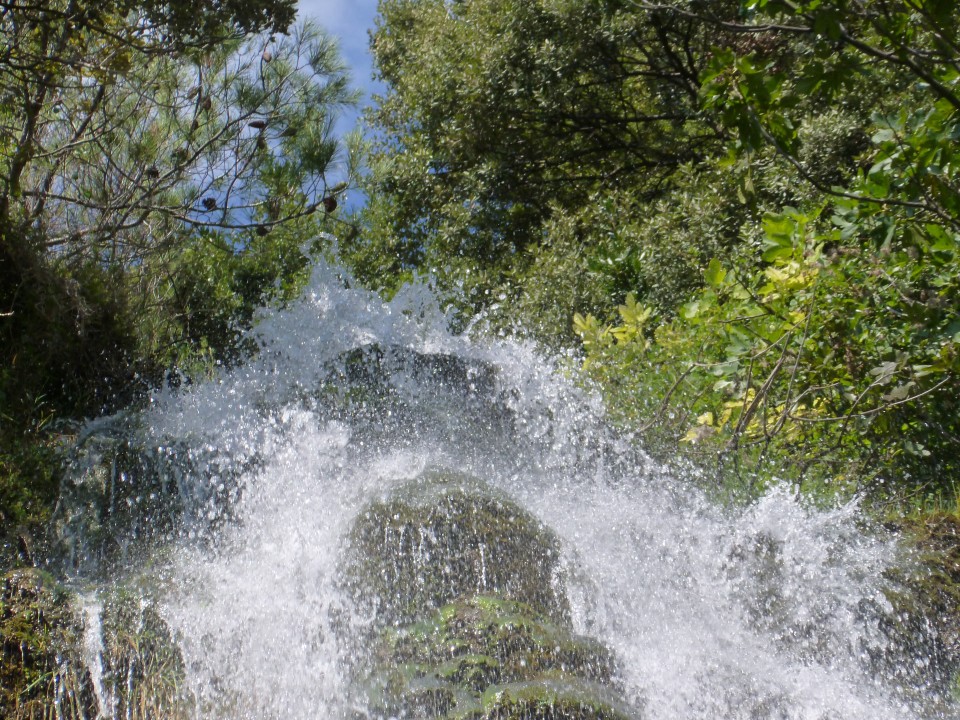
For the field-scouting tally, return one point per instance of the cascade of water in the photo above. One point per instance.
(772, 611)
(93, 651)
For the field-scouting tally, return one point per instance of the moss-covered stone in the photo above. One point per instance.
(42, 674)
(552, 699)
(499, 639)
(451, 660)
(448, 536)
(472, 620)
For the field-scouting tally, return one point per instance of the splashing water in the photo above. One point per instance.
(772, 611)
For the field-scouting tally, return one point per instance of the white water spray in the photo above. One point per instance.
(765, 612)
(92, 647)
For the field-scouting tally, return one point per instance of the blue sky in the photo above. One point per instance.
(349, 20)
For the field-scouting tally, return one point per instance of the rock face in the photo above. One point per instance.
(471, 618)
(447, 537)
(392, 393)
(121, 497)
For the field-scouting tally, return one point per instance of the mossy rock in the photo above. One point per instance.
(491, 658)
(42, 673)
(562, 699)
(498, 640)
(471, 619)
(447, 536)
(371, 387)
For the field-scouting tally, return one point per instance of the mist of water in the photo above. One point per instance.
(769, 611)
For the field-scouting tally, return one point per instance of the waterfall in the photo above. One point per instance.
(773, 610)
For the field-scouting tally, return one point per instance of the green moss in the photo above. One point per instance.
(483, 657)
(444, 537)
(498, 639)
(475, 672)
(553, 700)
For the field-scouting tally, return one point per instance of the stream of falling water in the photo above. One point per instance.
(770, 611)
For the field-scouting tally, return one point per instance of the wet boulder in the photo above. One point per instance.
(470, 616)
(122, 496)
(447, 536)
(400, 394)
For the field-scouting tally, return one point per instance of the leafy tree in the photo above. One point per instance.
(131, 143)
(165, 168)
(747, 211)
(829, 336)
(504, 119)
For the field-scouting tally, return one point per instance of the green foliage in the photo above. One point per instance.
(161, 170)
(754, 235)
(29, 486)
(147, 209)
(828, 357)
(65, 339)
(508, 126)
(41, 671)
(203, 22)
